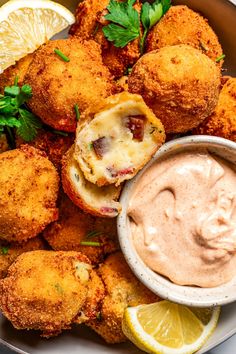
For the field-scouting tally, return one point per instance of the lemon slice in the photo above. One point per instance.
(27, 24)
(168, 328)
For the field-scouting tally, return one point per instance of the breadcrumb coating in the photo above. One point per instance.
(48, 291)
(28, 193)
(58, 85)
(181, 25)
(123, 289)
(179, 83)
(10, 251)
(222, 122)
(18, 70)
(89, 23)
(75, 226)
(54, 145)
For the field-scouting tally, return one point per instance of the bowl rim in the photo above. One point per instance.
(150, 278)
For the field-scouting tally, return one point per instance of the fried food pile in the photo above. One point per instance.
(70, 291)
(90, 19)
(104, 110)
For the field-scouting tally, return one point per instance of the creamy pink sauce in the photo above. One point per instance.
(183, 218)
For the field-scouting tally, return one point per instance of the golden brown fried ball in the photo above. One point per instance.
(179, 83)
(75, 226)
(223, 121)
(54, 145)
(9, 252)
(123, 289)
(19, 70)
(99, 201)
(28, 193)
(48, 291)
(89, 23)
(181, 25)
(58, 85)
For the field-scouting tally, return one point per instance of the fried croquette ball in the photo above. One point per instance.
(17, 71)
(123, 289)
(9, 252)
(117, 139)
(3, 143)
(59, 86)
(90, 20)
(181, 25)
(74, 227)
(99, 201)
(28, 193)
(179, 83)
(47, 290)
(54, 145)
(223, 121)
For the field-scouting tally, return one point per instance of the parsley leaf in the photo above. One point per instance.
(14, 114)
(5, 250)
(125, 23)
(12, 91)
(166, 4)
(29, 125)
(124, 19)
(11, 122)
(150, 15)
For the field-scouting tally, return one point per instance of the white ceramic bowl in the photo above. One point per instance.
(188, 295)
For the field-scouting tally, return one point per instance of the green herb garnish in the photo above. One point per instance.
(128, 71)
(221, 57)
(5, 250)
(16, 80)
(90, 146)
(59, 288)
(29, 125)
(96, 29)
(77, 112)
(14, 113)
(125, 23)
(59, 132)
(61, 55)
(93, 234)
(150, 15)
(90, 243)
(99, 316)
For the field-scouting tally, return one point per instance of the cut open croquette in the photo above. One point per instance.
(99, 201)
(117, 139)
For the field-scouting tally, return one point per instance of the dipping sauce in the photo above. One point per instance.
(183, 218)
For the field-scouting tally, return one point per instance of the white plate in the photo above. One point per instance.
(221, 15)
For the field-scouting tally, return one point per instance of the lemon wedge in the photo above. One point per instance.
(168, 328)
(27, 24)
